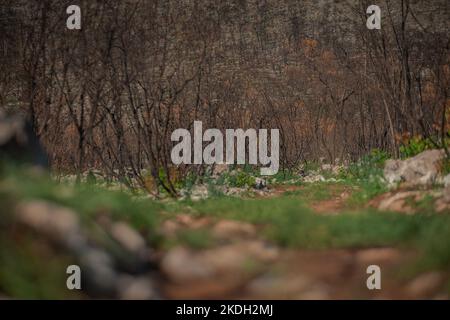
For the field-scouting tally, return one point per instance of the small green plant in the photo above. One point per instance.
(446, 166)
(31, 268)
(243, 179)
(214, 189)
(285, 176)
(239, 179)
(319, 191)
(415, 146)
(90, 178)
(189, 181)
(311, 166)
(368, 166)
(367, 176)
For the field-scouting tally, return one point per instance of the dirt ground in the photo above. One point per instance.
(244, 266)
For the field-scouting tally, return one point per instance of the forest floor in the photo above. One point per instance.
(294, 241)
(245, 265)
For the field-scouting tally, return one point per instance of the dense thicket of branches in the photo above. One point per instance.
(109, 95)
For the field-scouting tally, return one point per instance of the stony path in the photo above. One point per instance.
(244, 266)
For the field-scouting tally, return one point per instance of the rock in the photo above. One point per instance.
(227, 259)
(399, 201)
(312, 178)
(233, 191)
(334, 169)
(302, 173)
(259, 250)
(234, 257)
(228, 229)
(376, 255)
(169, 228)
(127, 237)
(136, 288)
(425, 285)
(181, 265)
(56, 222)
(446, 194)
(279, 287)
(199, 192)
(184, 219)
(98, 267)
(404, 201)
(18, 141)
(260, 183)
(98, 272)
(208, 274)
(423, 169)
(446, 181)
(189, 221)
(214, 273)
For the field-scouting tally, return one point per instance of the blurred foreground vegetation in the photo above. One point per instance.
(30, 268)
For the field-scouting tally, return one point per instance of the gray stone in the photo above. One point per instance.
(128, 238)
(398, 201)
(423, 169)
(260, 183)
(229, 229)
(56, 222)
(181, 265)
(136, 288)
(425, 284)
(313, 177)
(98, 272)
(199, 192)
(446, 181)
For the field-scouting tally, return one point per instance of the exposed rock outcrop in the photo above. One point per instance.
(421, 170)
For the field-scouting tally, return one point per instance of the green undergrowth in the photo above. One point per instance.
(87, 200)
(32, 268)
(289, 223)
(285, 220)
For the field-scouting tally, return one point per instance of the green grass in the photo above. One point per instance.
(87, 200)
(289, 223)
(284, 176)
(32, 268)
(366, 176)
(285, 220)
(312, 192)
